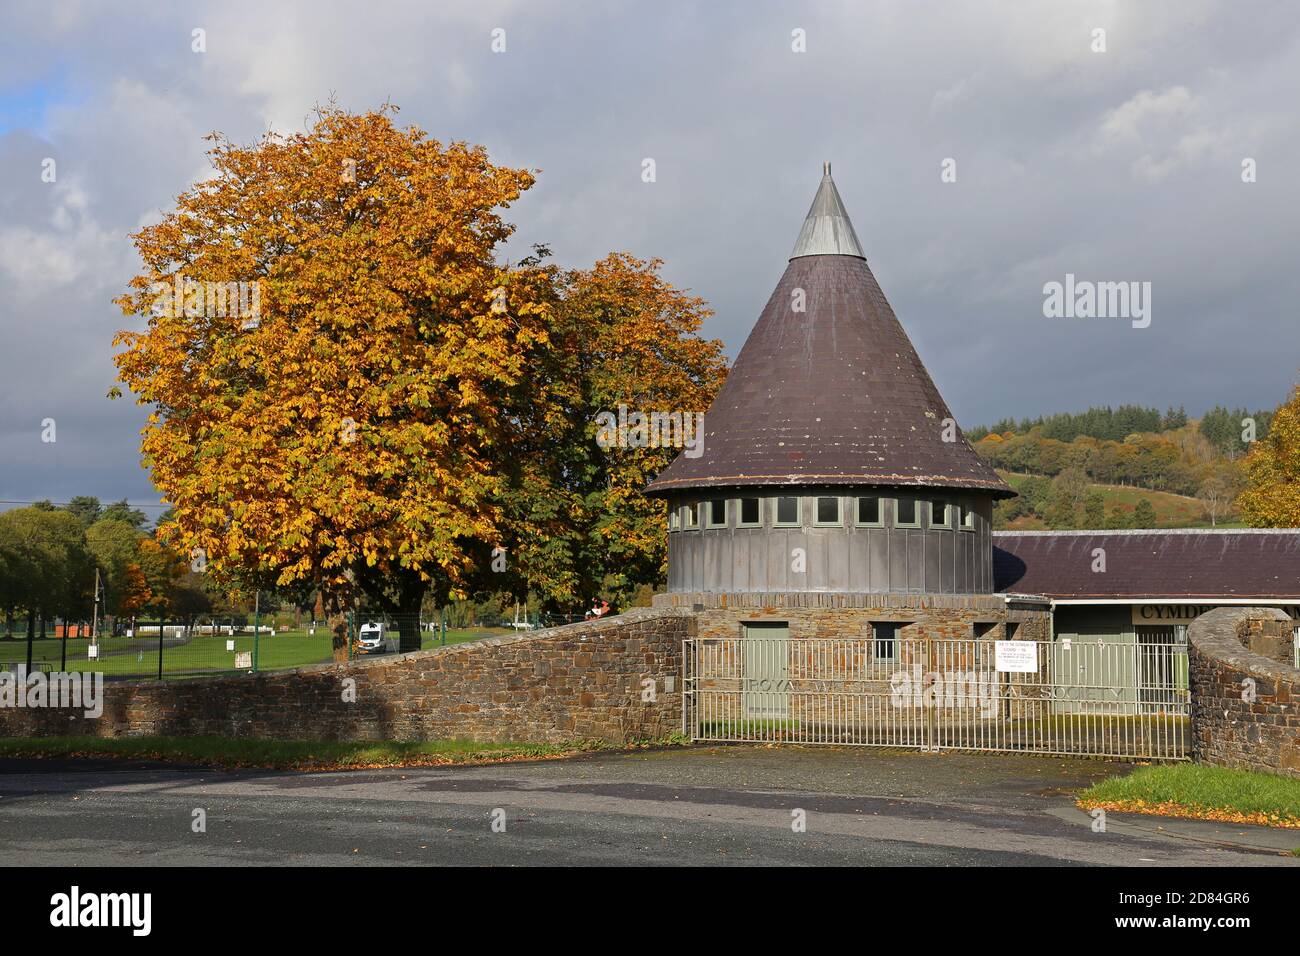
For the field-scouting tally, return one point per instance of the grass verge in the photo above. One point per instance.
(287, 754)
(1201, 793)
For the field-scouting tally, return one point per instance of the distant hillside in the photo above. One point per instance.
(1221, 427)
(1119, 503)
(1128, 467)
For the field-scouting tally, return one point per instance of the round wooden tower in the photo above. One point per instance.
(830, 462)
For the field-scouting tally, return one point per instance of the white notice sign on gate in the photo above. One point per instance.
(1016, 657)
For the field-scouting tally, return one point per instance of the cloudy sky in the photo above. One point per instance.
(1117, 165)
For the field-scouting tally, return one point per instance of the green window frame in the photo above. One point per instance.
(863, 514)
(828, 500)
(777, 521)
(967, 520)
(749, 504)
(917, 507)
(691, 516)
(945, 522)
(711, 517)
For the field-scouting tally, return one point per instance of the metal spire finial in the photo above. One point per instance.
(827, 230)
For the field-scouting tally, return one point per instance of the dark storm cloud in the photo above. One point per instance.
(1123, 165)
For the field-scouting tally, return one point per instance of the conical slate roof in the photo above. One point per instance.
(833, 393)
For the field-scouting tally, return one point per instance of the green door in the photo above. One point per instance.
(765, 686)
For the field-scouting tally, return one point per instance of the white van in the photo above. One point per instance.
(375, 639)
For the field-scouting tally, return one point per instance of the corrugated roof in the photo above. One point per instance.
(828, 389)
(1191, 563)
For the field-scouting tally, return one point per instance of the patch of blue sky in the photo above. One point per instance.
(29, 107)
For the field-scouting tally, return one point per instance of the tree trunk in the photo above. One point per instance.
(408, 615)
(338, 625)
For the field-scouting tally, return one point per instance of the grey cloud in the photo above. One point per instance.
(1123, 165)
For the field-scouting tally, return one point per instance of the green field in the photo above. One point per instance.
(138, 657)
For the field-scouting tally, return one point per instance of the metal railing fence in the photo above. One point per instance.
(1082, 696)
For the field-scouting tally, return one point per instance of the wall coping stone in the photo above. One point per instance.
(1216, 634)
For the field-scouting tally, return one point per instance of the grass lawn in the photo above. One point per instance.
(202, 654)
(1205, 793)
(285, 754)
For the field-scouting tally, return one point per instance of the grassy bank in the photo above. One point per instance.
(284, 754)
(1203, 793)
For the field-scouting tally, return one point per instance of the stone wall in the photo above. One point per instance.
(578, 682)
(850, 615)
(1244, 710)
(827, 648)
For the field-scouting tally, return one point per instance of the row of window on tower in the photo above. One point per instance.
(828, 512)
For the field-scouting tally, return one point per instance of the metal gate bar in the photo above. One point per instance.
(1087, 697)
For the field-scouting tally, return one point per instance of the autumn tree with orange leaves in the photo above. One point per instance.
(577, 519)
(1272, 496)
(401, 406)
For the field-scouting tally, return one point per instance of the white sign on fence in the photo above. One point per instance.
(244, 660)
(1016, 657)
(92, 652)
(230, 645)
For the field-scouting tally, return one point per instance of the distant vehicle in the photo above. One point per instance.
(375, 639)
(522, 623)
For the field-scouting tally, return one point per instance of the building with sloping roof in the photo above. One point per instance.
(829, 437)
(1147, 586)
(834, 496)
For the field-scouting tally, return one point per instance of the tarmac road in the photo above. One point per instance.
(699, 806)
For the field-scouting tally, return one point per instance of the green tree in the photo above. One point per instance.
(1094, 510)
(122, 511)
(47, 568)
(86, 508)
(1119, 518)
(1144, 515)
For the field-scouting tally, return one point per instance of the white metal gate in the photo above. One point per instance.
(1087, 696)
